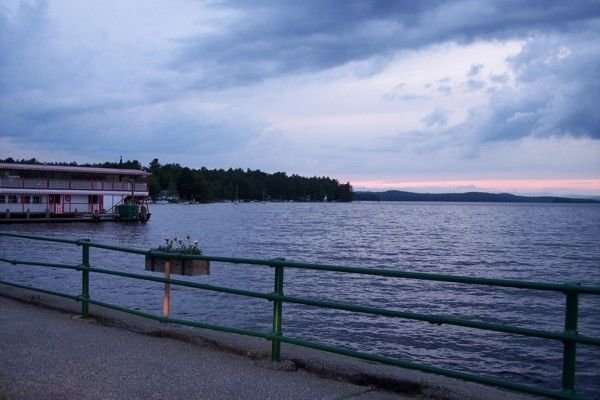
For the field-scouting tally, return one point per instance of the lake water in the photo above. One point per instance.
(542, 242)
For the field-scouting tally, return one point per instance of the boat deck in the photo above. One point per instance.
(37, 217)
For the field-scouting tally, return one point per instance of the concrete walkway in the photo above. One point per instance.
(47, 352)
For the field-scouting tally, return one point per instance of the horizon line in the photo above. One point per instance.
(562, 187)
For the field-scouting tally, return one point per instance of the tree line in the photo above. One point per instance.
(208, 185)
(205, 185)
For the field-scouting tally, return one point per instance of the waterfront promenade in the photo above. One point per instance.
(47, 352)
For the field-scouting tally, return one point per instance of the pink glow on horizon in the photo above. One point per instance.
(574, 186)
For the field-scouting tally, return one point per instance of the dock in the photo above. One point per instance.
(41, 217)
(24, 217)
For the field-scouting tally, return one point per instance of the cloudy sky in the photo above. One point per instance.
(418, 95)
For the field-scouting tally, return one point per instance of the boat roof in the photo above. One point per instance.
(71, 169)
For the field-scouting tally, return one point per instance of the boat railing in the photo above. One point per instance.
(75, 184)
(568, 337)
(59, 184)
(35, 183)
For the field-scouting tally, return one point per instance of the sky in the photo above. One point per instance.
(428, 96)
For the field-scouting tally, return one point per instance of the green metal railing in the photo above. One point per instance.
(569, 337)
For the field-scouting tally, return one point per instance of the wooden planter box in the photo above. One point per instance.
(178, 266)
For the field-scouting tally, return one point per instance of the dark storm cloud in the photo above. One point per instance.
(444, 86)
(437, 117)
(474, 84)
(273, 38)
(399, 93)
(18, 37)
(499, 78)
(556, 92)
(475, 70)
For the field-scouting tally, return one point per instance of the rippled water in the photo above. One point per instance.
(544, 242)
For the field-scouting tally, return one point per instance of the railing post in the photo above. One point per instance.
(570, 348)
(277, 313)
(85, 277)
(166, 309)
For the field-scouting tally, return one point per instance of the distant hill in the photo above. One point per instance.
(397, 195)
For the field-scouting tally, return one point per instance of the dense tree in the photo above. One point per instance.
(236, 184)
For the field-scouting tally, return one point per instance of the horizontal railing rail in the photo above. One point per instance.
(71, 184)
(569, 336)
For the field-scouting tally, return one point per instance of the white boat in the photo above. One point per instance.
(31, 191)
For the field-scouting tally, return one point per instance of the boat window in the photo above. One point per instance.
(12, 198)
(2, 198)
(37, 199)
(26, 199)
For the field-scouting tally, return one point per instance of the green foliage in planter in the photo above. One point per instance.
(179, 246)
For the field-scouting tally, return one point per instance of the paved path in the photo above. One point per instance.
(47, 354)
